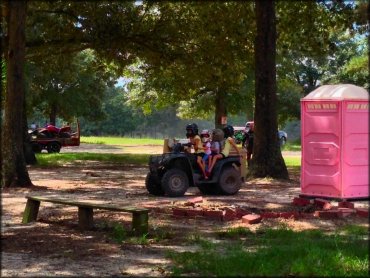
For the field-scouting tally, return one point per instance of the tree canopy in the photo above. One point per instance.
(211, 64)
(59, 86)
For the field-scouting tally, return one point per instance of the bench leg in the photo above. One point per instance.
(31, 211)
(85, 218)
(140, 223)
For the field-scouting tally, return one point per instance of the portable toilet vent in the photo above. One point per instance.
(335, 142)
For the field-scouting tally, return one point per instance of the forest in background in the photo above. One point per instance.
(121, 119)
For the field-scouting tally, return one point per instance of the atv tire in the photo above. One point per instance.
(53, 147)
(153, 186)
(230, 181)
(175, 182)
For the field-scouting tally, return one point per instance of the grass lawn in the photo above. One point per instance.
(58, 159)
(121, 141)
(292, 161)
(278, 252)
(292, 146)
(289, 146)
(63, 158)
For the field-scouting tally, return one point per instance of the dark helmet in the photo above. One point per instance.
(191, 130)
(217, 135)
(228, 131)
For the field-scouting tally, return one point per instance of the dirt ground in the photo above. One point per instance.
(54, 246)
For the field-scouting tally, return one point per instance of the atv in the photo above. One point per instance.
(171, 174)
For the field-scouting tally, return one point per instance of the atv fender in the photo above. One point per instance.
(223, 163)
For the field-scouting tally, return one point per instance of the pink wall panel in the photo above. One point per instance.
(355, 154)
(321, 132)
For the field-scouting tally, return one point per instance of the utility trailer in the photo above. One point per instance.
(52, 139)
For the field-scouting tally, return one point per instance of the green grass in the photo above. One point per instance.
(110, 140)
(235, 233)
(292, 146)
(278, 252)
(58, 159)
(292, 161)
(354, 230)
(120, 141)
(119, 233)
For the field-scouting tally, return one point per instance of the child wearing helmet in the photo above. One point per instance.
(216, 139)
(196, 142)
(206, 140)
(229, 141)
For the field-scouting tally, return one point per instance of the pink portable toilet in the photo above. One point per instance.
(335, 142)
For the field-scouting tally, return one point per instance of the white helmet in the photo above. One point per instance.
(205, 135)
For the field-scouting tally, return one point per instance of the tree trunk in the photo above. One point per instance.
(14, 170)
(29, 154)
(53, 114)
(3, 47)
(1, 135)
(267, 159)
(220, 109)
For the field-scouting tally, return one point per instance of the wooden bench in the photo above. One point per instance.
(85, 212)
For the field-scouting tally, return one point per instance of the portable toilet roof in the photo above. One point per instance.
(338, 92)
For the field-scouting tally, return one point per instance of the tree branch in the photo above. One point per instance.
(56, 42)
(58, 12)
(78, 48)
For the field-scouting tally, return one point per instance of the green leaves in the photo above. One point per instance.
(184, 52)
(70, 83)
(210, 51)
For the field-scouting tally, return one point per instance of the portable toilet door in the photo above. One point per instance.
(335, 142)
